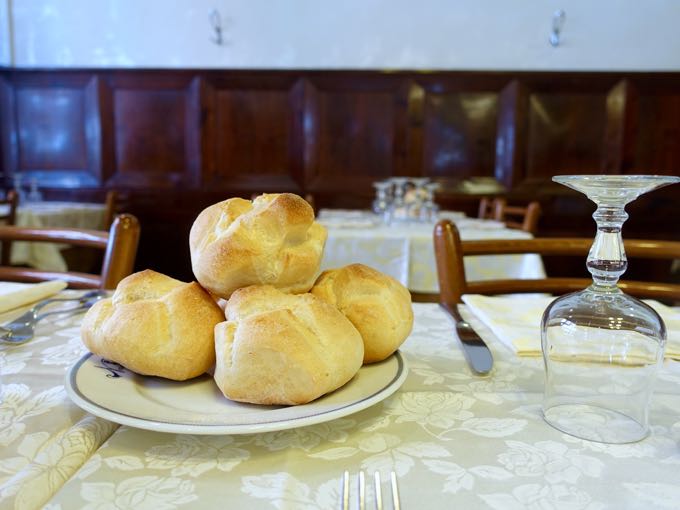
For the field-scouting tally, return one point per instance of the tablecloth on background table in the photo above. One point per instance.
(405, 251)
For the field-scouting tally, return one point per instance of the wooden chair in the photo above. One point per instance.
(487, 208)
(514, 216)
(119, 245)
(110, 208)
(450, 250)
(8, 217)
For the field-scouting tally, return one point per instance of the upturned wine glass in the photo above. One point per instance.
(603, 348)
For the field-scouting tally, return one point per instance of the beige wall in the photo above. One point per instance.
(405, 34)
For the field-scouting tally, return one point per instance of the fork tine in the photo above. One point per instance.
(378, 493)
(362, 491)
(396, 503)
(345, 490)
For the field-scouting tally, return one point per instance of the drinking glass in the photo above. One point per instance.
(602, 348)
(381, 202)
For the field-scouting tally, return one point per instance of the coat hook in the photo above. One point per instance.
(216, 23)
(559, 17)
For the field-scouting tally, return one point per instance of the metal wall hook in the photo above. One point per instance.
(559, 17)
(216, 23)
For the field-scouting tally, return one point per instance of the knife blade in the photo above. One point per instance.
(476, 352)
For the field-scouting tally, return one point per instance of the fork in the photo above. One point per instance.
(21, 329)
(394, 488)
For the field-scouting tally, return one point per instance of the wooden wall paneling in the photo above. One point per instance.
(57, 125)
(656, 147)
(8, 132)
(414, 136)
(620, 129)
(566, 131)
(256, 127)
(193, 132)
(459, 128)
(352, 126)
(155, 116)
(511, 134)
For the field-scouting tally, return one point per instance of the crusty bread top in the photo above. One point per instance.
(272, 240)
(278, 348)
(377, 304)
(155, 325)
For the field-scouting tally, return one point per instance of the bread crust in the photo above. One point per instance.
(282, 349)
(377, 304)
(272, 240)
(155, 325)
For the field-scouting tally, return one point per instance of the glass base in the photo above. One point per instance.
(595, 423)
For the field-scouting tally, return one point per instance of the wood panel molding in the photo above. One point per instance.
(175, 141)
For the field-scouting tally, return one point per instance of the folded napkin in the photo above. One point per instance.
(14, 295)
(516, 321)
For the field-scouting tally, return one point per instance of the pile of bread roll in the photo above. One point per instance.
(286, 335)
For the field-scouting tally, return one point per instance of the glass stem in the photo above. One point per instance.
(607, 257)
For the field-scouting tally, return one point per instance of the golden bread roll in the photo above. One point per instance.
(377, 304)
(278, 348)
(272, 240)
(155, 325)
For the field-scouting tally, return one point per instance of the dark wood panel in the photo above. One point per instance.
(460, 134)
(351, 136)
(657, 145)
(52, 129)
(565, 134)
(254, 135)
(56, 132)
(156, 134)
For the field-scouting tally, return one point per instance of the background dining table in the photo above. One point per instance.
(405, 251)
(455, 440)
(48, 256)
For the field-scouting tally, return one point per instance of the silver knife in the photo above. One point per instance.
(476, 352)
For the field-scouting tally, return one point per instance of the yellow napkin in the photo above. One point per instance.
(14, 295)
(516, 321)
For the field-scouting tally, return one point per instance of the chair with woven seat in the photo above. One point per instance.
(8, 214)
(119, 246)
(450, 250)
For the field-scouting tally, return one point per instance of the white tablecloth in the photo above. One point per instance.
(454, 439)
(405, 251)
(52, 214)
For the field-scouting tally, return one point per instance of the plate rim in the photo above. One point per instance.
(92, 407)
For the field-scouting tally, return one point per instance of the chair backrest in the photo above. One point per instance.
(450, 250)
(110, 208)
(8, 215)
(119, 245)
(487, 208)
(516, 216)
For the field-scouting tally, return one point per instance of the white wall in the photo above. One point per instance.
(404, 34)
(5, 34)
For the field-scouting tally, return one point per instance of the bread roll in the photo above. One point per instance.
(278, 348)
(155, 325)
(377, 304)
(272, 240)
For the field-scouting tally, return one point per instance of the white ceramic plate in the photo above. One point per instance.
(197, 406)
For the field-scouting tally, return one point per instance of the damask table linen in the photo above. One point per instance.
(455, 440)
(44, 437)
(405, 251)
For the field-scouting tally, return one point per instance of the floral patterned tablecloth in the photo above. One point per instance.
(455, 441)
(405, 251)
